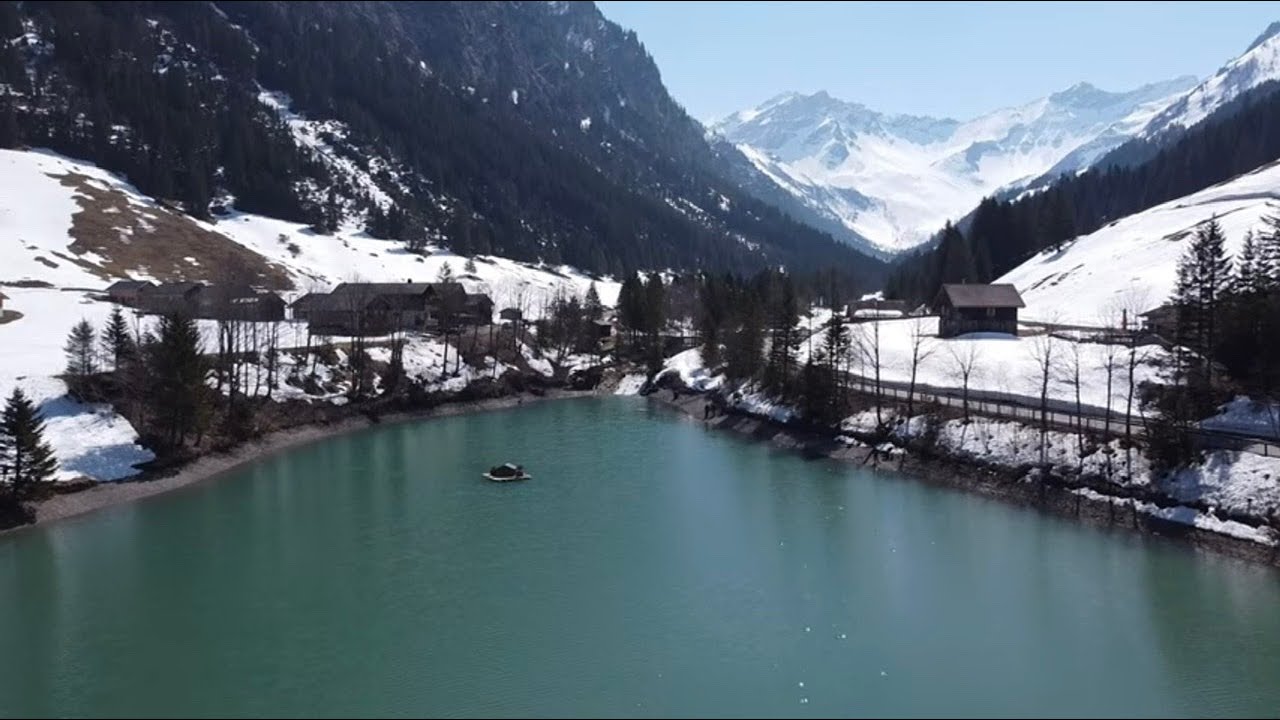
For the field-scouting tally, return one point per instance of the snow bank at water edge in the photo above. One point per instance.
(630, 384)
(693, 373)
(88, 439)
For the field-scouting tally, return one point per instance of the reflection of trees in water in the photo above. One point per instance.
(1216, 623)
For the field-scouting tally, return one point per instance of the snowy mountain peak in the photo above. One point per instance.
(895, 178)
(1272, 30)
(1260, 63)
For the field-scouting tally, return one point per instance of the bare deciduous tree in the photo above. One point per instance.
(1130, 304)
(1042, 348)
(866, 345)
(1069, 371)
(965, 359)
(922, 347)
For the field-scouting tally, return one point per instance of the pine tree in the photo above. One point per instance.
(1269, 253)
(445, 274)
(711, 320)
(631, 305)
(955, 260)
(23, 451)
(743, 349)
(179, 398)
(817, 389)
(470, 267)
(836, 345)
(80, 352)
(784, 340)
(655, 319)
(1060, 222)
(1204, 277)
(117, 343)
(591, 304)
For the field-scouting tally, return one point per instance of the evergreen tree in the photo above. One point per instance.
(836, 347)
(179, 398)
(23, 451)
(955, 260)
(631, 305)
(816, 390)
(711, 320)
(784, 339)
(1060, 222)
(1269, 253)
(80, 352)
(445, 275)
(470, 268)
(743, 349)
(117, 343)
(591, 304)
(1204, 276)
(655, 311)
(1249, 280)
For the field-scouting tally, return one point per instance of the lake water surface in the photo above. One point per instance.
(650, 567)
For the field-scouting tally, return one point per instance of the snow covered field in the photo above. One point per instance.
(89, 440)
(36, 245)
(1133, 262)
(1003, 363)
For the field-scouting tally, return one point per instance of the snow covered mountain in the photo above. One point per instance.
(894, 179)
(1259, 64)
(1132, 262)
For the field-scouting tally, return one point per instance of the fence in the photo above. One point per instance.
(1060, 414)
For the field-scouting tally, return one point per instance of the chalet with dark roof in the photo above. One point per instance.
(127, 292)
(301, 308)
(379, 308)
(234, 301)
(964, 308)
(478, 308)
(171, 297)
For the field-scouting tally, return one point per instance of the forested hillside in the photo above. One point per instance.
(538, 131)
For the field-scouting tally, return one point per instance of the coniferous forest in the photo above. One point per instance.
(452, 108)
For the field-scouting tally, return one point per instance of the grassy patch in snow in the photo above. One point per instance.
(116, 237)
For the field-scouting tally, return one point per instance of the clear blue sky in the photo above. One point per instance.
(944, 59)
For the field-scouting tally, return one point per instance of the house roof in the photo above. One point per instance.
(1002, 295)
(475, 299)
(173, 288)
(877, 304)
(227, 293)
(129, 285)
(308, 301)
(371, 289)
(1166, 309)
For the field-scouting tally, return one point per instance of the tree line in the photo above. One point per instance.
(1227, 315)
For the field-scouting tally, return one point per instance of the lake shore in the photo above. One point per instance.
(960, 475)
(216, 463)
